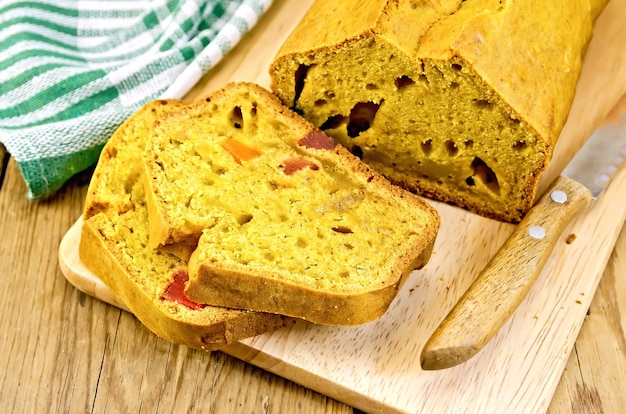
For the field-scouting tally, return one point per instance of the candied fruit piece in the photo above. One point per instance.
(175, 291)
(317, 140)
(239, 150)
(292, 165)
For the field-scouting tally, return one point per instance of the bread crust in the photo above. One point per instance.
(115, 217)
(217, 273)
(209, 329)
(480, 50)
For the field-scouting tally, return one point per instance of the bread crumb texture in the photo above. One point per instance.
(285, 220)
(461, 101)
(114, 246)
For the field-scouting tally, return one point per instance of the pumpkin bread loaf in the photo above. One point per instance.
(459, 100)
(285, 220)
(114, 246)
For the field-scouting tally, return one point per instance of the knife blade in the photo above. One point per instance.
(502, 285)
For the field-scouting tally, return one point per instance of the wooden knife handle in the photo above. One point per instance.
(503, 284)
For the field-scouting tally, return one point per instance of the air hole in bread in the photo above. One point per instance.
(427, 146)
(342, 229)
(348, 246)
(112, 152)
(456, 66)
(485, 174)
(244, 218)
(519, 145)
(333, 122)
(403, 81)
(468, 143)
(371, 87)
(451, 148)
(361, 117)
(483, 104)
(220, 170)
(300, 76)
(321, 102)
(357, 151)
(237, 117)
(273, 185)
(454, 85)
(129, 183)
(300, 242)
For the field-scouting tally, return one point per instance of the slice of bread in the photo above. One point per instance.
(114, 246)
(286, 220)
(462, 101)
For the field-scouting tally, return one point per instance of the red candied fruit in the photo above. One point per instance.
(175, 291)
(292, 165)
(317, 140)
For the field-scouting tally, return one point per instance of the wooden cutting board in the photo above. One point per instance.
(375, 366)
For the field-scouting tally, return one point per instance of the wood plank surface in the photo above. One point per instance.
(374, 366)
(65, 351)
(593, 381)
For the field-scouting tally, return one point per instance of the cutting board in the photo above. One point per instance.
(375, 367)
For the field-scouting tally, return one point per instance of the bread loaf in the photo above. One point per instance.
(114, 246)
(462, 101)
(285, 220)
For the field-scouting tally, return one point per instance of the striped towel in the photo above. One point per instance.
(71, 71)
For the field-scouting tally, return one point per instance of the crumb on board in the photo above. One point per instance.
(570, 239)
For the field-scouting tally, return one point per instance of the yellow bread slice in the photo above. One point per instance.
(462, 101)
(114, 246)
(286, 220)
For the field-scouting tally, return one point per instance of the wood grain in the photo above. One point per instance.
(502, 285)
(516, 372)
(64, 351)
(595, 373)
(375, 366)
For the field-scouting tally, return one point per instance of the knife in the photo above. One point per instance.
(505, 281)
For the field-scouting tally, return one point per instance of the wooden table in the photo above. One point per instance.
(64, 351)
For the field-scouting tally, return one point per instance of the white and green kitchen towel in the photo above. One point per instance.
(71, 71)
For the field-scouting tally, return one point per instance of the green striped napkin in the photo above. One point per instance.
(71, 71)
